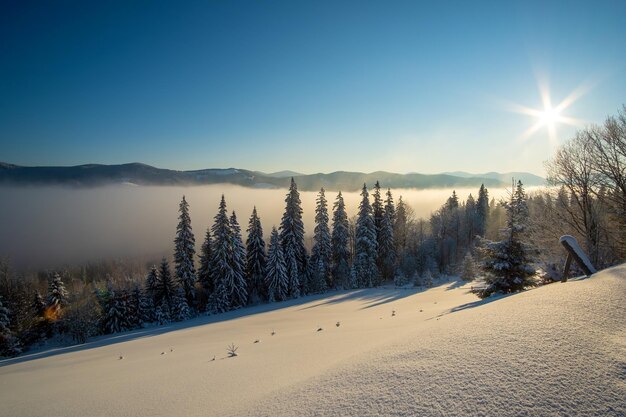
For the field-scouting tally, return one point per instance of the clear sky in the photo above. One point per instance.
(313, 86)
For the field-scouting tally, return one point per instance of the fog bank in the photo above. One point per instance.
(50, 226)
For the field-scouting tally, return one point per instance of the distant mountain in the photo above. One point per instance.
(527, 178)
(142, 174)
(282, 174)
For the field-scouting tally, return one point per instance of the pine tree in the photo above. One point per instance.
(508, 263)
(468, 270)
(222, 246)
(57, 297)
(180, 308)
(276, 279)
(340, 251)
(145, 309)
(471, 221)
(38, 305)
(400, 226)
(166, 289)
(321, 256)
(238, 266)
(386, 242)
(292, 240)
(378, 211)
(115, 318)
(184, 253)
(9, 344)
(364, 270)
(152, 282)
(255, 259)
(206, 276)
(482, 210)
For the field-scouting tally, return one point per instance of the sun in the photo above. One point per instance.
(551, 116)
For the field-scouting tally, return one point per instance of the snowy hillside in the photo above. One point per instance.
(555, 350)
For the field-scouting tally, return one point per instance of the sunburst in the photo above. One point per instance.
(551, 116)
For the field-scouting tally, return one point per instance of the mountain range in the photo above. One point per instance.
(141, 174)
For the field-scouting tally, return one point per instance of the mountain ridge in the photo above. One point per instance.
(89, 175)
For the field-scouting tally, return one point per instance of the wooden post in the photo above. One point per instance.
(568, 263)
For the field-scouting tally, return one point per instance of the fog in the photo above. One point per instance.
(44, 227)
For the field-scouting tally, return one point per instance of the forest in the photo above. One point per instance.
(506, 246)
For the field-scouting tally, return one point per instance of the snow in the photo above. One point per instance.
(555, 350)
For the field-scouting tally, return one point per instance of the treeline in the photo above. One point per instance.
(383, 242)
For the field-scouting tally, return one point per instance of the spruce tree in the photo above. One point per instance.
(321, 253)
(471, 222)
(400, 226)
(180, 308)
(378, 211)
(57, 296)
(292, 240)
(386, 247)
(206, 276)
(115, 317)
(508, 264)
(152, 282)
(340, 250)
(364, 270)
(184, 252)
(482, 210)
(9, 344)
(222, 247)
(255, 259)
(276, 279)
(468, 269)
(166, 289)
(38, 305)
(239, 296)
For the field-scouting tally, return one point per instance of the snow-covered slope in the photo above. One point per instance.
(555, 350)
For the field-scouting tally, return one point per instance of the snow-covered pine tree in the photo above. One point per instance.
(162, 316)
(386, 242)
(292, 240)
(184, 253)
(276, 279)
(9, 344)
(470, 221)
(146, 306)
(482, 210)
(321, 256)
(57, 297)
(152, 282)
(166, 288)
(115, 315)
(378, 211)
(400, 226)
(221, 231)
(206, 276)
(38, 305)
(136, 304)
(468, 269)
(340, 250)
(364, 270)
(238, 265)
(180, 308)
(255, 259)
(508, 264)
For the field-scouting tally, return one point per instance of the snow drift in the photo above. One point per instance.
(554, 350)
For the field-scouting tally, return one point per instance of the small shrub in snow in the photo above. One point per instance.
(232, 350)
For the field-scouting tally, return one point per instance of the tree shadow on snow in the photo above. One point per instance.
(477, 303)
(372, 296)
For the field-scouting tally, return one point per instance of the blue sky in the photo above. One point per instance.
(312, 86)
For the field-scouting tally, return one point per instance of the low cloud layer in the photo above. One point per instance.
(50, 226)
